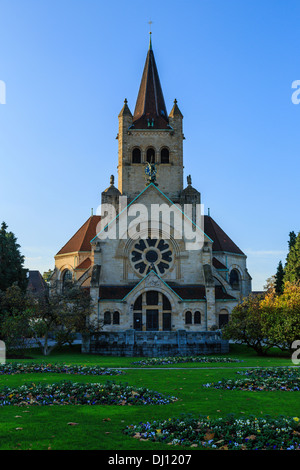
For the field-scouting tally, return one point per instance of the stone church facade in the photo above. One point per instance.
(154, 292)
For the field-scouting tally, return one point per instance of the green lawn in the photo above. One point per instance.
(100, 427)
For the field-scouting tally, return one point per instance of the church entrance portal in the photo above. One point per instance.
(152, 312)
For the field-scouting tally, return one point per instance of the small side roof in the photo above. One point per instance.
(81, 241)
(221, 241)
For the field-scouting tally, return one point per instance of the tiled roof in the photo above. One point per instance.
(222, 295)
(82, 238)
(84, 265)
(36, 282)
(221, 241)
(114, 292)
(192, 292)
(218, 265)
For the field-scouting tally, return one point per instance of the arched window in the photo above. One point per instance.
(197, 318)
(67, 278)
(107, 318)
(136, 155)
(164, 155)
(234, 279)
(188, 318)
(116, 318)
(150, 156)
(154, 309)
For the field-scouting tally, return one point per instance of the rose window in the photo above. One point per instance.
(151, 254)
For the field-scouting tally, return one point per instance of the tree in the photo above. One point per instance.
(292, 267)
(59, 316)
(11, 261)
(245, 325)
(279, 284)
(281, 316)
(14, 318)
(270, 283)
(47, 275)
(292, 240)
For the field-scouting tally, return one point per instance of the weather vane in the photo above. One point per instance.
(150, 24)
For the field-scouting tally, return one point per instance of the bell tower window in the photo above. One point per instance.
(136, 155)
(150, 156)
(164, 155)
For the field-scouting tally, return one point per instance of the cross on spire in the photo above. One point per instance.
(150, 33)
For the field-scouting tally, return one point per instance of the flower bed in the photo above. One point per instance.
(281, 433)
(158, 361)
(270, 379)
(32, 368)
(70, 393)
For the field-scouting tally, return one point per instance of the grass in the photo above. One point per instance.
(100, 427)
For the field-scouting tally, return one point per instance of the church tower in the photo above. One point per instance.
(150, 135)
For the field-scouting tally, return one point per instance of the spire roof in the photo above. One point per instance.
(175, 111)
(150, 109)
(125, 109)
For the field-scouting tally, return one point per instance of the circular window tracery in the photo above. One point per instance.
(151, 254)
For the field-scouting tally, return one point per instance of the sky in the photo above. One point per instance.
(67, 66)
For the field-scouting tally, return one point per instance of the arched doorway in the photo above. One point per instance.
(152, 311)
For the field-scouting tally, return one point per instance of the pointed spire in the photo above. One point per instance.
(125, 109)
(175, 111)
(150, 109)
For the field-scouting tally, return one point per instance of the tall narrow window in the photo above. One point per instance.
(136, 155)
(197, 318)
(164, 155)
(150, 157)
(188, 318)
(116, 318)
(107, 318)
(138, 303)
(234, 279)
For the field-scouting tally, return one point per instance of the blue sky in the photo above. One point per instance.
(69, 64)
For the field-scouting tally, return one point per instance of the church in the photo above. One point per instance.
(163, 277)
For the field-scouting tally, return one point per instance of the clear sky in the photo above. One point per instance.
(68, 65)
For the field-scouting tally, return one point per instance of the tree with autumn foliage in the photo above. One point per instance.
(246, 326)
(280, 316)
